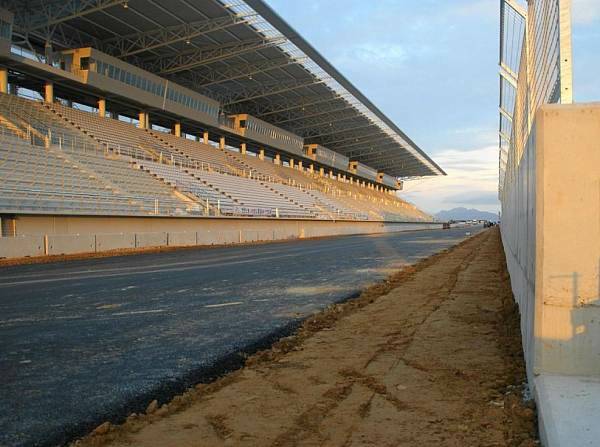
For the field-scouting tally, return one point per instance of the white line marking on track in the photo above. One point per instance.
(138, 312)
(234, 303)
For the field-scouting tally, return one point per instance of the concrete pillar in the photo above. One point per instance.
(277, 159)
(222, 143)
(49, 53)
(330, 173)
(300, 165)
(261, 153)
(292, 163)
(322, 172)
(102, 107)
(352, 180)
(312, 168)
(9, 226)
(143, 118)
(177, 129)
(49, 92)
(243, 148)
(205, 137)
(3, 80)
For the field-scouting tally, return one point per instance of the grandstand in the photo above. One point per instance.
(191, 109)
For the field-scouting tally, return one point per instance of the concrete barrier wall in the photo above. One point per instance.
(178, 232)
(551, 234)
(143, 240)
(184, 239)
(64, 244)
(115, 241)
(21, 246)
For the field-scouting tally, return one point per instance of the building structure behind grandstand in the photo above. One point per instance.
(191, 109)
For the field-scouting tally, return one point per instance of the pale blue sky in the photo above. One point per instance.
(431, 66)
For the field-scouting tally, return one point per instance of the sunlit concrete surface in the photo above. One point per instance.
(568, 407)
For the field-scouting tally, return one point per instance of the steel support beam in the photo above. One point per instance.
(374, 149)
(208, 55)
(307, 116)
(351, 138)
(301, 103)
(505, 114)
(339, 130)
(51, 13)
(379, 142)
(264, 90)
(132, 44)
(209, 77)
(326, 120)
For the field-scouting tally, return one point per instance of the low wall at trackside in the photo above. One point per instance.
(55, 235)
(551, 235)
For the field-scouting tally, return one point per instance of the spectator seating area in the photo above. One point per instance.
(61, 160)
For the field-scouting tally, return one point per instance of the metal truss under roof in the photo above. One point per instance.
(240, 53)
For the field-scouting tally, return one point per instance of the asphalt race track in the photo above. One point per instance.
(87, 341)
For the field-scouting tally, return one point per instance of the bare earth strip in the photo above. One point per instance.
(431, 358)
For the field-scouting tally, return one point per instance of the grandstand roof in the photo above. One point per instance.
(240, 53)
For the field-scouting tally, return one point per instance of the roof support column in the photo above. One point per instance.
(102, 107)
(277, 159)
(205, 137)
(49, 92)
(177, 129)
(322, 172)
(3, 80)
(261, 153)
(143, 120)
(292, 163)
(243, 148)
(300, 165)
(222, 143)
(312, 168)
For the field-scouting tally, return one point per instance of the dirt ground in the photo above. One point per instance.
(432, 357)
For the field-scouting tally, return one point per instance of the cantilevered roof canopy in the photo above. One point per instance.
(238, 52)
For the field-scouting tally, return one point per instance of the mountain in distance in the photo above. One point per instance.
(466, 214)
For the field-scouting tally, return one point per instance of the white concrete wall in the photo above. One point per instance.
(551, 234)
(21, 246)
(64, 244)
(189, 232)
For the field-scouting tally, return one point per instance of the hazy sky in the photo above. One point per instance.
(431, 66)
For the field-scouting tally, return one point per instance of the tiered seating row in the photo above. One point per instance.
(96, 159)
(36, 179)
(183, 181)
(252, 194)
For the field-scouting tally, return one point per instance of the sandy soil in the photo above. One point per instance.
(432, 357)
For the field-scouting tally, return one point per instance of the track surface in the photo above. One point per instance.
(87, 341)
